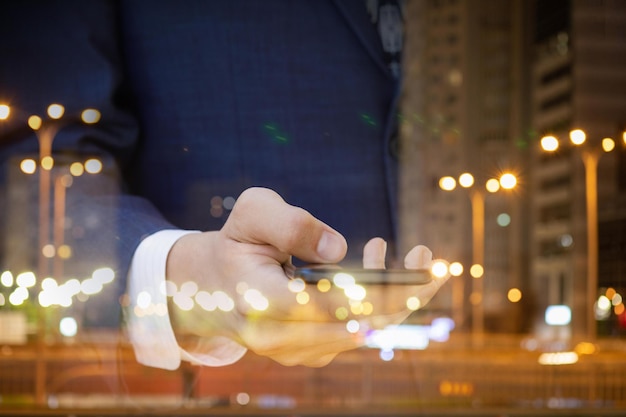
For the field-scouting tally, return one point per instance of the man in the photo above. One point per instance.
(281, 104)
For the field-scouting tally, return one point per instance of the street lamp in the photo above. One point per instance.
(477, 195)
(46, 130)
(590, 157)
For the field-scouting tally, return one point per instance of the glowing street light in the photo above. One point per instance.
(5, 111)
(590, 157)
(477, 199)
(45, 131)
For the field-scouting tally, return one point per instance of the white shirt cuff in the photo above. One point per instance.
(148, 322)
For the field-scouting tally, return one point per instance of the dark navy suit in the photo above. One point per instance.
(202, 99)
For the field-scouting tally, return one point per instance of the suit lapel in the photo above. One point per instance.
(359, 20)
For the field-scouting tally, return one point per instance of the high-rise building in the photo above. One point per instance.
(466, 111)
(579, 82)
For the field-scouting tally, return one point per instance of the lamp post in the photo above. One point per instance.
(46, 130)
(590, 157)
(477, 199)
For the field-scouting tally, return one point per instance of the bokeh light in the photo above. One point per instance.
(608, 144)
(456, 269)
(68, 326)
(492, 185)
(323, 285)
(577, 136)
(447, 183)
(93, 166)
(466, 180)
(503, 219)
(413, 303)
(56, 111)
(549, 143)
(47, 163)
(90, 116)
(477, 271)
(514, 295)
(77, 169)
(439, 268)
(35, 122)
(508, 181)
(28, 166)
(5, 111)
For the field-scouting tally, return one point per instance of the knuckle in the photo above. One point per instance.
(297, 227)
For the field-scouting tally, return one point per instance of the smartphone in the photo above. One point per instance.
(367, 276)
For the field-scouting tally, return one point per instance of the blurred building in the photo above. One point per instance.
(466, 110)
(579, 82)
(486, 79)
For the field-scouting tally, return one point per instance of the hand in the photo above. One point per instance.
(248, 259)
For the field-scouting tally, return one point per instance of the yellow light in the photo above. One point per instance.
(368, 308)
(302, 298)
(624, 137)
(508, 181)
(514, 295)
(47, 162)
(356, 308)
(55, 111)
(93, 166)
(577, 136)
(492, 185)
(608, 144)
(90, 116)
(34, 122)
(558, 358)
(439, 268)
(477, 271)
(5, 111)
(323, 285)
(77, 169)
(413, 303)
(456, 269)
(466, 180)
(549, 143)
(48, 251)
(28, 166)
(585, 348)
(65, 252)
(341, 313)
(447, 183)
(610, 293)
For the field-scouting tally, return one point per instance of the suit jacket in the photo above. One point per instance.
(200, 100)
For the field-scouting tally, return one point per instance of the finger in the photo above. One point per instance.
(420, 257)
(262, 217)
(374, 253)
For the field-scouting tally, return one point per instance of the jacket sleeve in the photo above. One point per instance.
(64, 222)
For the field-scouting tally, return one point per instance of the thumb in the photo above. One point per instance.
(261, 216)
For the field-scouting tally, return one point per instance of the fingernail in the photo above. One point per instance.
(330, 246)
(425, 257)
